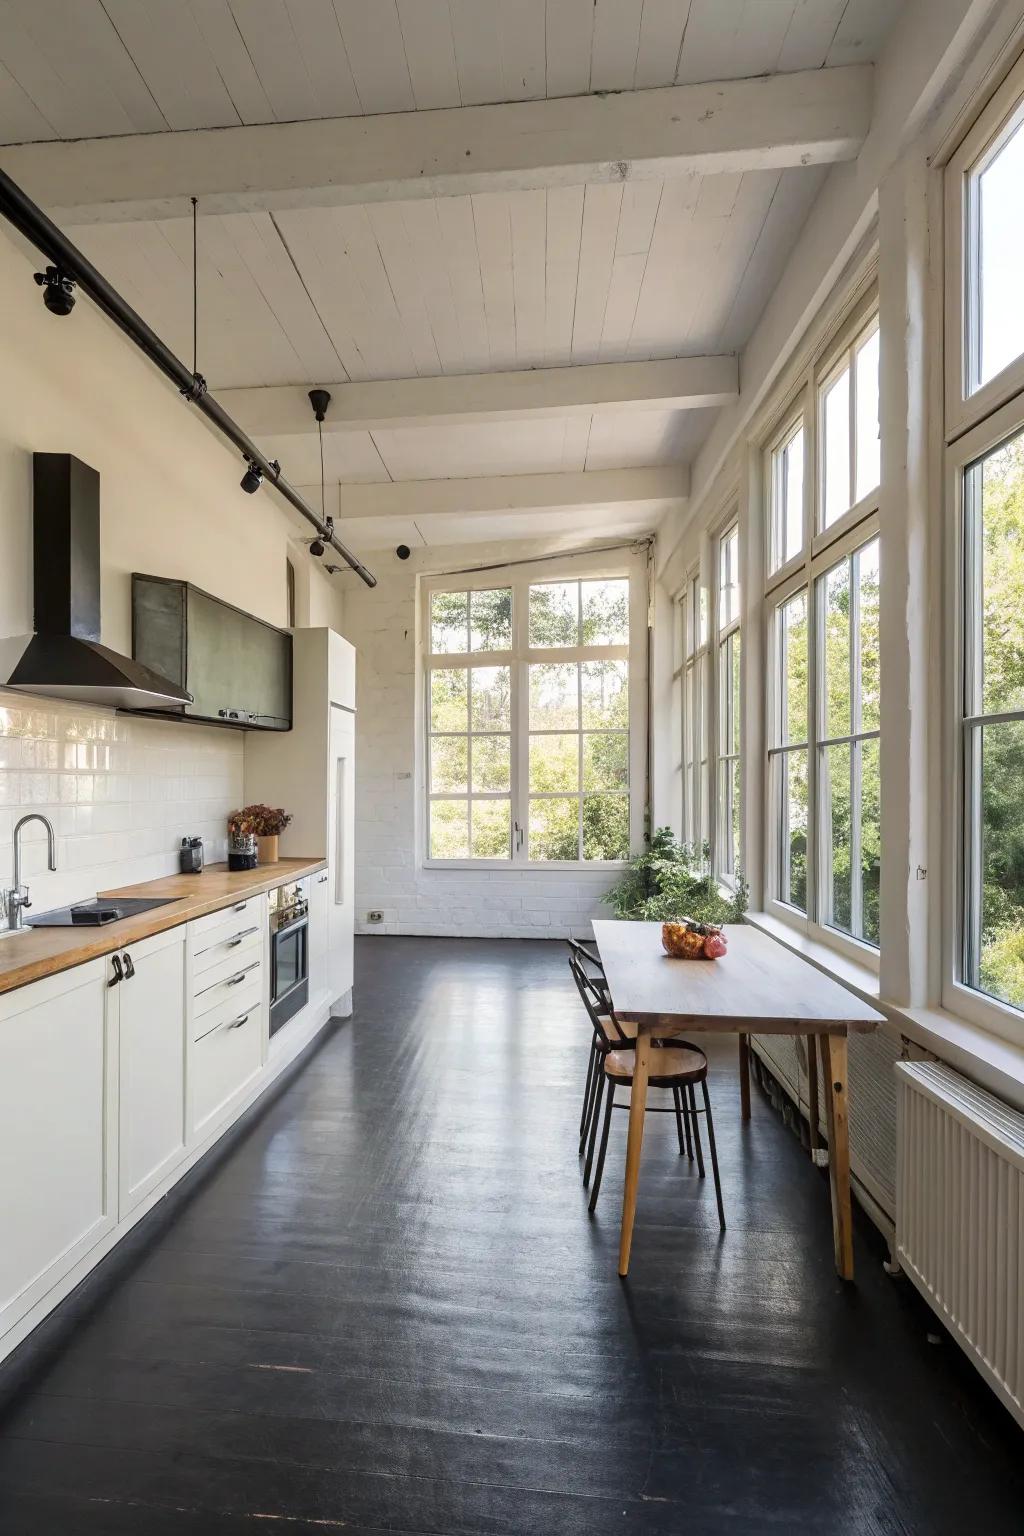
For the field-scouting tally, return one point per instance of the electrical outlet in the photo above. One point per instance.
(374, 917)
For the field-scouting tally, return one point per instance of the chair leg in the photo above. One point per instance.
(595, 1115)
(586, 1094)
(599, 1171)
(679, 1120)
(696, 1129)
(714, 1154)
(592, 1101)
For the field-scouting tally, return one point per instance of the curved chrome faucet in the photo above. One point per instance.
(17, 899)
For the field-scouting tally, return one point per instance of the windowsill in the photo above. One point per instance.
(488, 867)
(859, 978)
(986, 1058)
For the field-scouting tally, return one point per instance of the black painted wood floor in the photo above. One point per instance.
(382, 1307)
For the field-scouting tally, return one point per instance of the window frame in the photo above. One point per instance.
(998, 120)
(823, 548)
(724, 636)
(792, 420)
(692, 706)
(959, 904)
(519, 578)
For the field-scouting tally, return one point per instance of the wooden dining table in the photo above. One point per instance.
(758, 987)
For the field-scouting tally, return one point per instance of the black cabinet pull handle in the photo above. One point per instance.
(129, 966)
(241, 906)
(118, 972)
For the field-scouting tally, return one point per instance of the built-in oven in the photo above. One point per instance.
(289, 953)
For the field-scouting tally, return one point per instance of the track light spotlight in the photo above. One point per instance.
(252, 480)
(58, 290)
(317, 548)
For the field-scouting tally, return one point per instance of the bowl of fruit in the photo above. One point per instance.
(690, 940)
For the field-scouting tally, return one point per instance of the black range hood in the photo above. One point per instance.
(64, 658)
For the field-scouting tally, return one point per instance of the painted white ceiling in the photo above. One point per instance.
(459, 285)
(85, 68)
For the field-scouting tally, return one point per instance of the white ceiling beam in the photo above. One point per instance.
(675, 383)
(654, 491)
(812, 117)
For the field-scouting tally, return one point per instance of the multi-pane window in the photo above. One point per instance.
(993, 721)
(728, 801)
(529, 722)
(694, 712)
(786, 496)
(850, 451)
(823, 827)
(848, 735)
(985, 430)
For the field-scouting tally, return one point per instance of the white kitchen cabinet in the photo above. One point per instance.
(310, 770)
(58, 1131)
(319, 903)
(223, 1064)
(150, 1007)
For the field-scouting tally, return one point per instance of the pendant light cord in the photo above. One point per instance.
(195, 288)
(323, 494)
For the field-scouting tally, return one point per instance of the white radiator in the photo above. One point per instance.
(960, 1216)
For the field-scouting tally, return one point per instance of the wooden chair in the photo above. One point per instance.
(678, 1067)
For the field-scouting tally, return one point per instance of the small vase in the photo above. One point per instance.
(268, 849)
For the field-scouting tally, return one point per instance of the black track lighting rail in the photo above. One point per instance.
(71, 265)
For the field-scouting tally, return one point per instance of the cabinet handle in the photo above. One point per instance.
(129, 966)
(237, 1023)
(240, 906)
(118, 972)
(234, 942)
(322, 880)
(233, 982)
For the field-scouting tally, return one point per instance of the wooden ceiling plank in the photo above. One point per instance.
(528, 227)
(167, 47)
(661, 35)
(601, 206)
(654, 490)
(616, 41)
(569, 29)
(523, 63)
(810, 34)
(423, 235)
(561, 271)
(430, 52)
(402, 264)
(494, 243)
(476, 30)
(458, 236)
(376, 53)
(220, 32)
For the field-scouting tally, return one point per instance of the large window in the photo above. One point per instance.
(528, 717)
(985, 429)
(727, 671)
(823, 828)
(693, 680)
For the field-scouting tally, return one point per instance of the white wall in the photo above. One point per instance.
(120, 793)
(520, 904)
(170, 501)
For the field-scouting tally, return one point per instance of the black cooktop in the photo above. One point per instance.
(90, 914)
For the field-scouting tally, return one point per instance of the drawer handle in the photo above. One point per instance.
(237, 1023)
(240, 906)
(233, 982)
(244, 933)
(322, 880)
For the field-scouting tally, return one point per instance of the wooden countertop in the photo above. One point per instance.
(39, 952)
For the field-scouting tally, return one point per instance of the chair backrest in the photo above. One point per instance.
(595, 999)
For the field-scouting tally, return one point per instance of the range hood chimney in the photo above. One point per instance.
(64, 659)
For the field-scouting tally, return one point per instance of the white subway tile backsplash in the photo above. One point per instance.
(121, 792)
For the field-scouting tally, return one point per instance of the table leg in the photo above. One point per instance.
(834, 1065)
(744, 1076)
(813, 1111)
(634, 1142)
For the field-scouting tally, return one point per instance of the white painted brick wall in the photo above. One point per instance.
(381, 624)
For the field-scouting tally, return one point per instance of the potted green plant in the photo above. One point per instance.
(671, 881)
(267, 822)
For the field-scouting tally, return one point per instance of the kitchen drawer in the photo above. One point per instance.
(204, 931)
(244, 998)
(231, 950)
(231, 984)
(223, 1062)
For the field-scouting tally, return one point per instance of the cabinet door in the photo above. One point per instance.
(58, 1132)
(341, 852)
(319, 914)
(151, 1011)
